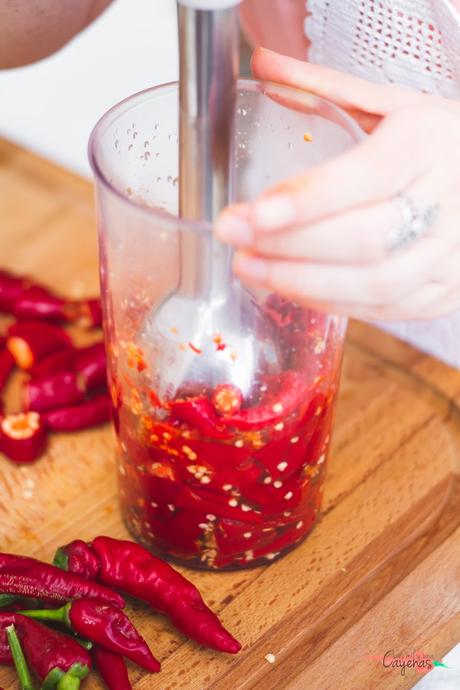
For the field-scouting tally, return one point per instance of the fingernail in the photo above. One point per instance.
(274, 212)
(234, 229)
(250, 267)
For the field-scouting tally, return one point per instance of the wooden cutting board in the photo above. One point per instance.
(380, 572)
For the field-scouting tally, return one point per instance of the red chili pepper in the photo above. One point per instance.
(200, 414)
(87, 414)
(36, 302)
(112, 668)
(31, 578)
(227, 506)
(6, 366)
(133, 569)
(11, 287)
(275, 407)
(91, 363)
(103, 624)
(77, 557)
(30, 341)
(56, 362)
(56, 390)
(22, 436)
(56, 659)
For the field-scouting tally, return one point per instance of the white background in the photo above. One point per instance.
(52, 106)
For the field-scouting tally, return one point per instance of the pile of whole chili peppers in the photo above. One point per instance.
(76, 596)
(67, 387)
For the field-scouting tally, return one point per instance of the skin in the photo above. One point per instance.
(292, 238)
(30, 30)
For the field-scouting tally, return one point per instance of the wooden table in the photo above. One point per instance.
(380, 572)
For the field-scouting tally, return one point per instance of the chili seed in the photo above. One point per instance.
(299, 524)
(233, 503)
(205, 480)
(270, 658)
(321, 460)
(294, 439)
(288, 495)
(282, 466)
(227, 487)
(277, 407)
(279, 427)
(245, 508)
(277, 484)
(210, 517)
(267, 480)
(247, 535)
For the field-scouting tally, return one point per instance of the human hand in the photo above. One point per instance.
(322, 238)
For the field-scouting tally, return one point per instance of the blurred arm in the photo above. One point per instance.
(33, 29)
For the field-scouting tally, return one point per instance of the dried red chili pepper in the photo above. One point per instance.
(130, 567)
(58, 661)
(31, 341)
(103, 624)
(32, 578)
(22, 436)
(112, 668)
(56, 390)
(36, 302)
(87, 414)
(56, 362)
(91, 364)
(275, 407)
(77, 557)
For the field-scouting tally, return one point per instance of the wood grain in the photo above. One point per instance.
(380, 571)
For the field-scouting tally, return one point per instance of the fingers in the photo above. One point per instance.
(361, 175)
(342, 88)
(342, 286)
(358, 236)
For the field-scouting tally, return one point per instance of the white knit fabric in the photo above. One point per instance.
(409, 42)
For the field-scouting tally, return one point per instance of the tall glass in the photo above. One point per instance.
(215, 478)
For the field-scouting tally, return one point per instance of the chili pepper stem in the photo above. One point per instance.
(7, 599)
(68, 682)
(60, 615)
(61, 559)
(25, 679)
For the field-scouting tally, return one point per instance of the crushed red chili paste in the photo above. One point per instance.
(219, 481)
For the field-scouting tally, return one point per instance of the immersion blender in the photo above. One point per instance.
(210, 330)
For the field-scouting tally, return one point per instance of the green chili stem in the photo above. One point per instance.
(7, 599)
(56, 615)
(61, 559)
(69, 682)
(25, 679)
(86, 644)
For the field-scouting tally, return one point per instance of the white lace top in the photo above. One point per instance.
(409, 42)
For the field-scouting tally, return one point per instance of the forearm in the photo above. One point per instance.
(33, 29)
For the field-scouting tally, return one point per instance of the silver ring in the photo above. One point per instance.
(416, 219)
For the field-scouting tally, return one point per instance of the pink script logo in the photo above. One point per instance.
(420, 661)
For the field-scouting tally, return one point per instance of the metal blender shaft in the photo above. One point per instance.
(209, 65)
